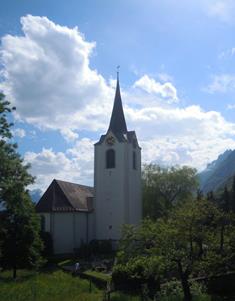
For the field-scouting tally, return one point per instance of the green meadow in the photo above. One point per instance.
(51, 286)
(57, 285)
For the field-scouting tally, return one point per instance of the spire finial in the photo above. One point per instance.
(118, 67)
(117, 122)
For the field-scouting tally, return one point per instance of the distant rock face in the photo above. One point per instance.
(218, 173)
(35, 195)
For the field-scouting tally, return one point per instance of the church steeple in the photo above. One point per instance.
(118, 123)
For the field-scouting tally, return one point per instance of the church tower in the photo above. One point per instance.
(117, 177)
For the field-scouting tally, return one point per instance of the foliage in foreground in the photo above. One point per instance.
(60, 286)
(20, 243)
(195, 239)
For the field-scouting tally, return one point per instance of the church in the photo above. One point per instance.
(74, 214)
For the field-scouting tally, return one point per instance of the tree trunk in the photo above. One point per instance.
(185, 283)
(186, 289)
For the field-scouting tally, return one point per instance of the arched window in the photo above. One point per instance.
(43, 223)
(110, 158)
(134, 160)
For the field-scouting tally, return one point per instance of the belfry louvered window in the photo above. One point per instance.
(110, 158)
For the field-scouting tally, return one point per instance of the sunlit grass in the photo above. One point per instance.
(98, 275)
(60, 286)
(46, 286)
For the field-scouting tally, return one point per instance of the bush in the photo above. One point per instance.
(172, 290)
(138, 274)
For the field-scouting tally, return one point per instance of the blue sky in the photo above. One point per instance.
(177, 77)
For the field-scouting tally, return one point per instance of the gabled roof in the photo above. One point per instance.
(117, 122)
(63, 196)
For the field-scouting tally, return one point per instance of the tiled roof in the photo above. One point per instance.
(64, 196)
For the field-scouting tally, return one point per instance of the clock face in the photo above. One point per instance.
(110, 140)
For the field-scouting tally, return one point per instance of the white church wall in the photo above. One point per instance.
(80, 229)
(91, 226)
(83, 228)
(47, 217)
(69, 230)
(117, 190)
(63, 236)
(135, 191)
(109, 192)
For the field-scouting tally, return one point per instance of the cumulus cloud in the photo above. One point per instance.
(221, 83)
(166, 90)
(221, 9)
(184, 136)
(48, 77)
(76, 165)
(18, 132)
(69, 135)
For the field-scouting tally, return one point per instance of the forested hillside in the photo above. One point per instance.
(218, 173)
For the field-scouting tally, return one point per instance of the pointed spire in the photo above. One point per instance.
(117, 123)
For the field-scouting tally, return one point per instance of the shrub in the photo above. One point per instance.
(136, 274)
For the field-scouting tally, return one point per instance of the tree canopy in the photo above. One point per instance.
(195, 239)
(20, 242)
(165, 187)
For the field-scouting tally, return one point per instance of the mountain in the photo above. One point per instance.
(35, 195)
(218, 173)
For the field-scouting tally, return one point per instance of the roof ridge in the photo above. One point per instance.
(73, 183)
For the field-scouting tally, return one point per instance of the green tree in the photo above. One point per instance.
(226, 206)
(136, 266)
(165, 187)
(233, 195)
(19, 233)
(187, 242)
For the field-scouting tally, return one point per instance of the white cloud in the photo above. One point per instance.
(221, 83)
(166, 90)
(231, 106)
(185, 136)
(18, 132)
(227, 53)
(165, 77)
(224, 10)
(48, 77)
(76, 165)
(69, 135)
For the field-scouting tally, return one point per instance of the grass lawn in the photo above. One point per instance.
(51, 286)
(99, 275)
(59, 286)
(55, 285)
